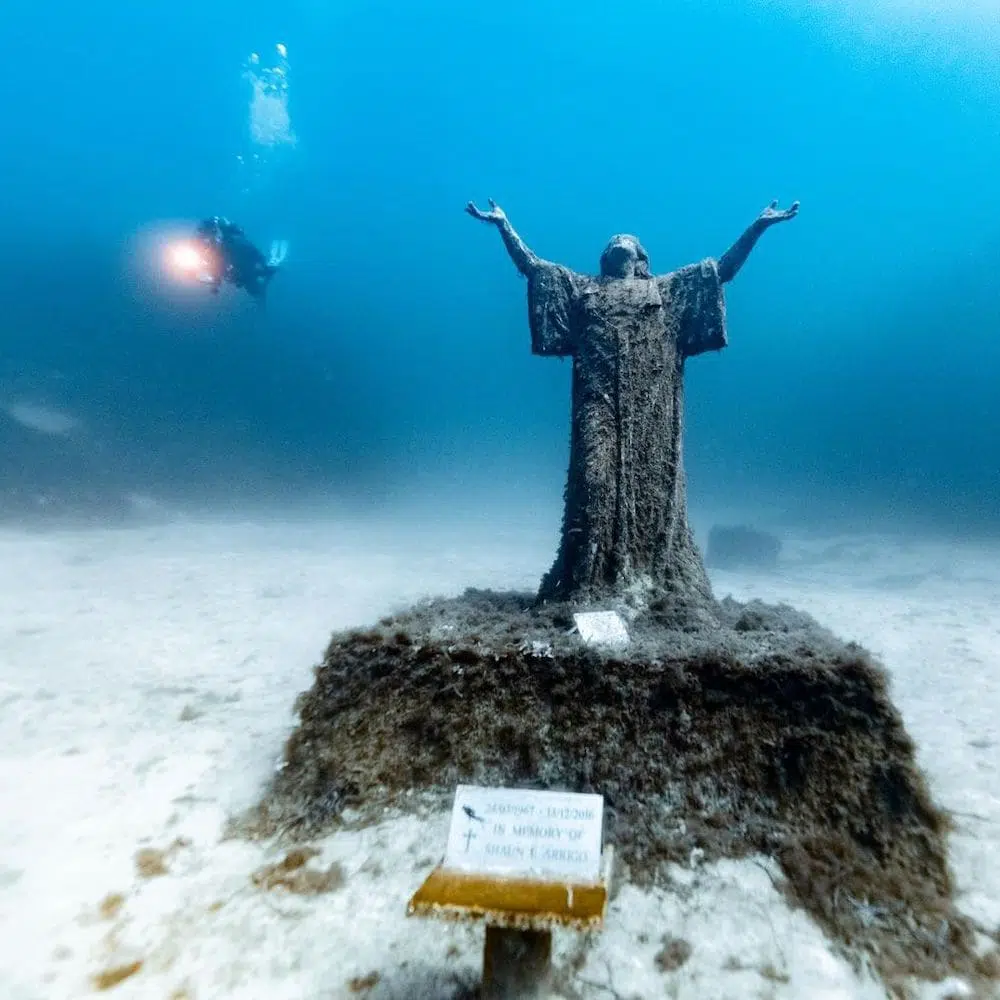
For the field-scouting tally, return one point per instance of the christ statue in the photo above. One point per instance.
(625, 531)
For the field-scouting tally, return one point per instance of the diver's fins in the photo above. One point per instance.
(279, 251)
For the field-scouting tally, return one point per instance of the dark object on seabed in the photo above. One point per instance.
(740, 547)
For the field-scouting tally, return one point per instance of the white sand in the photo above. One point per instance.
(147, 678)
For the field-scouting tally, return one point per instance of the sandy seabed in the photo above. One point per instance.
(147, 680)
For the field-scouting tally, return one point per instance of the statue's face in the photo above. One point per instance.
(624, 257)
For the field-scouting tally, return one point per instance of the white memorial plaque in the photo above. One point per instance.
(521, 832)
(601, 628)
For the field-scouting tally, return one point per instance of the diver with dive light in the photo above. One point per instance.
(224, 253)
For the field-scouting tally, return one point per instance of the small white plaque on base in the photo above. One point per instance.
(601, 628)
(525, 833)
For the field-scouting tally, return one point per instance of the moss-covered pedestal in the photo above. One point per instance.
(759, 732)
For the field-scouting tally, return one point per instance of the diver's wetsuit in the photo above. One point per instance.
(237, 260)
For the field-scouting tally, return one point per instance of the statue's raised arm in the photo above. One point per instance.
(552, 288)
(736, 256)
(525, 260)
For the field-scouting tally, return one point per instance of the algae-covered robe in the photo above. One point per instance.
(625, 523)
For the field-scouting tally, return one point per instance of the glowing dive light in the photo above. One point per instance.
(186, 257)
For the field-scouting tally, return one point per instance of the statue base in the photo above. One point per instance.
(757, 731)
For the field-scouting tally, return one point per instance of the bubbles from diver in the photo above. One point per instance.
(270, 122)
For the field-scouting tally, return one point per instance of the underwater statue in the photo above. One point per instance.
(629, 332)
(724, 728)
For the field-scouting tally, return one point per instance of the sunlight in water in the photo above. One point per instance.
(958, 29)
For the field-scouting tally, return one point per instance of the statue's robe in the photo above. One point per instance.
(625, 524)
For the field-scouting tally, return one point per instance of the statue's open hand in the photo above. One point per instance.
(773, 214)
(494, 215)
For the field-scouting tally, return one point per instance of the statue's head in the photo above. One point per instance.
(624, 257)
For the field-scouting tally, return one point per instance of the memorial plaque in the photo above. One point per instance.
(601, 628)
(525, 833)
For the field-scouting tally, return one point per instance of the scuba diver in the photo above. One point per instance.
(226, 254)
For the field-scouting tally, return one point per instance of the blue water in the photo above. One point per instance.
(864, 356)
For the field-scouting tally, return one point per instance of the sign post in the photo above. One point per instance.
(524, 862)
